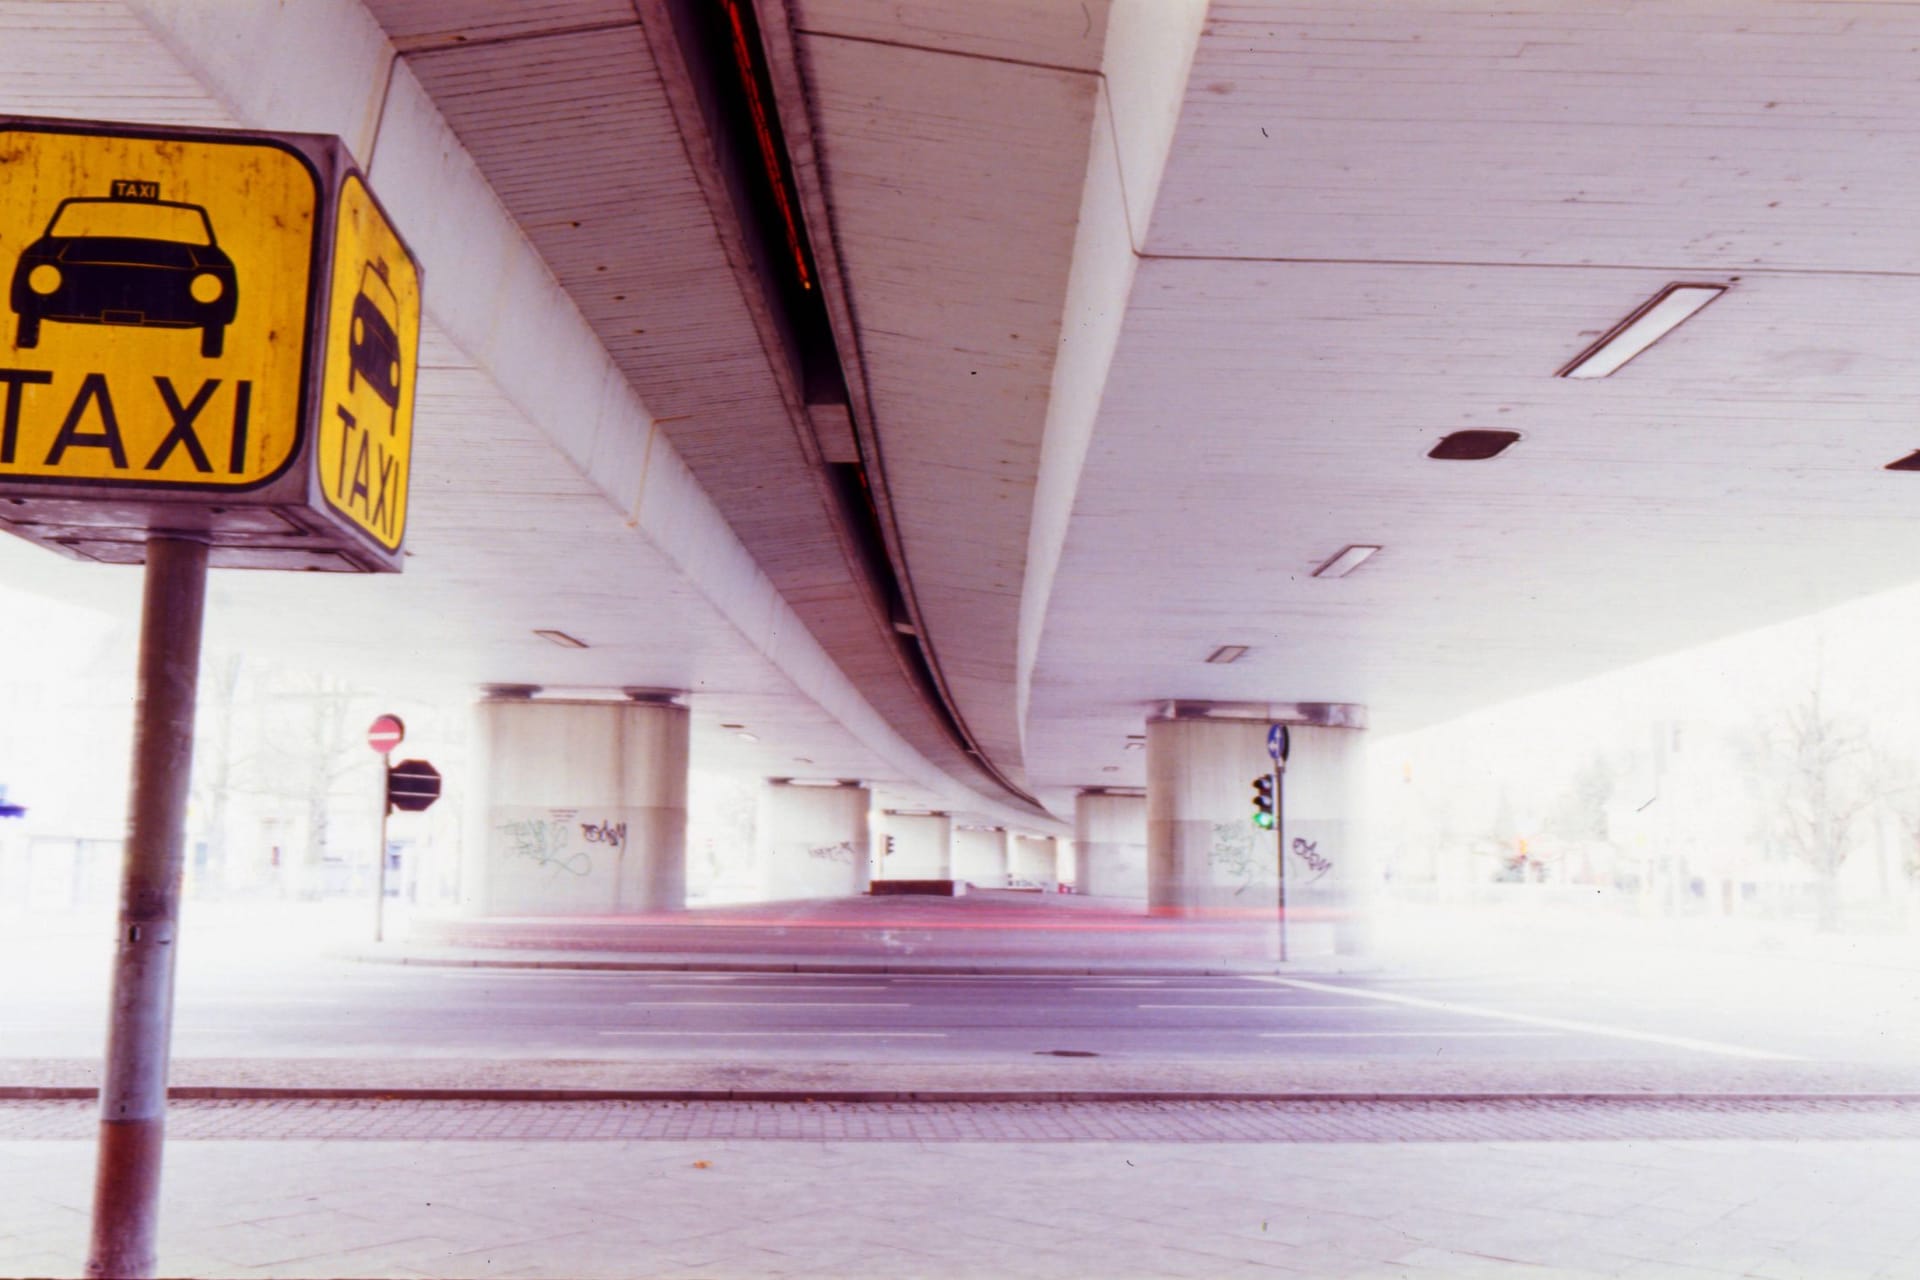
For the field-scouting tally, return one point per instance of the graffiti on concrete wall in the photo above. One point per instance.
(1308, 851)
(546, 843)
(1234, 852)
(841, 853)
(609, 833)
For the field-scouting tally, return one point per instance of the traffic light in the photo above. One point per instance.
(1263, 802)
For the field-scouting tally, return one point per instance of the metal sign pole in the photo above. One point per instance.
(133, 1094)
(1280, 845)
(380, 880)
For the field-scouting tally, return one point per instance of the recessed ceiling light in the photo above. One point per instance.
(725, 725)
(1651, 321)
(1909, 463)
(1136, 746)
(1472, 446)
(750, 737)
(562, 639)
(1227, 653)
(1345, 563)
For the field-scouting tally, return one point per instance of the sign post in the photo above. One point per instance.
(412, 786)
(133, 1092)
(207, 350)
(1279, 745)
(383, 735)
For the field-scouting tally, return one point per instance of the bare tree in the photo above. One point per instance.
(313, 751)
(216, 762)
(1818, 775)
(1580, 812)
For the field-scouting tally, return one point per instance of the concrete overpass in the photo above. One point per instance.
(957, 397)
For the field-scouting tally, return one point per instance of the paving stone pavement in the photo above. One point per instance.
(1030, 1191)
(1320, 1120)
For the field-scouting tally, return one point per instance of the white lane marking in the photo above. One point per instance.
(490, 975)
(765, 987)
(869, 1035)
(769, 1004)
(1387, 1035)
(1276, 1008)
(1166, 991)
(988, 978)
(1560, 1024)
(747, 978)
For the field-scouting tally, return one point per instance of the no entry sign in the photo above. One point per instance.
(385, 733)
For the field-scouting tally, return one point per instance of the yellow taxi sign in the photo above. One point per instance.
(158, 291)
(206, 333)
(373, 350)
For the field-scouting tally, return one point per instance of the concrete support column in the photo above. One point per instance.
(980, 856)
(1206, 857)
(578, 808)
(1110, 839)
(921, 844)
(814, 840)
(1034, 861)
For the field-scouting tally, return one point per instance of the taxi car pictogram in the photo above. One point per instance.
(114, 260)
(373, 349)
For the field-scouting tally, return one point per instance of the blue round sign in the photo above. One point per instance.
(1279, 742)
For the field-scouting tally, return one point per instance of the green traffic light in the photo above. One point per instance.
(1264, 821)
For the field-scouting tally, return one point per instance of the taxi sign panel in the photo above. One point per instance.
(210, 424)
(373, 352)
(158, 288)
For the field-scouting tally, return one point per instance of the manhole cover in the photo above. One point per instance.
(1065, 1053)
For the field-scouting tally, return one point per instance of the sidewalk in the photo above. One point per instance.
(1018, 1202)
(1042, 1079)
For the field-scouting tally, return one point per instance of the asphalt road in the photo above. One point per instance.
(365, 1010)
(247, 992)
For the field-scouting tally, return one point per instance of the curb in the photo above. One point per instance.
(826, 967)
(252, 1093)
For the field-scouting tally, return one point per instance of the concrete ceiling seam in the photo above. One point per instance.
(497, 302)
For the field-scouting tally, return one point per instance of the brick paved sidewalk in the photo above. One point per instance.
(1042, 1075)
(1411, 1120)
(1414, 1190)
(1060, 1211)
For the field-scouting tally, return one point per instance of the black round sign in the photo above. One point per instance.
(412, 785)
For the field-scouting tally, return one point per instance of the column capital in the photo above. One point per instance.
(656, 697)
(1327, 715)
(508, 692)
